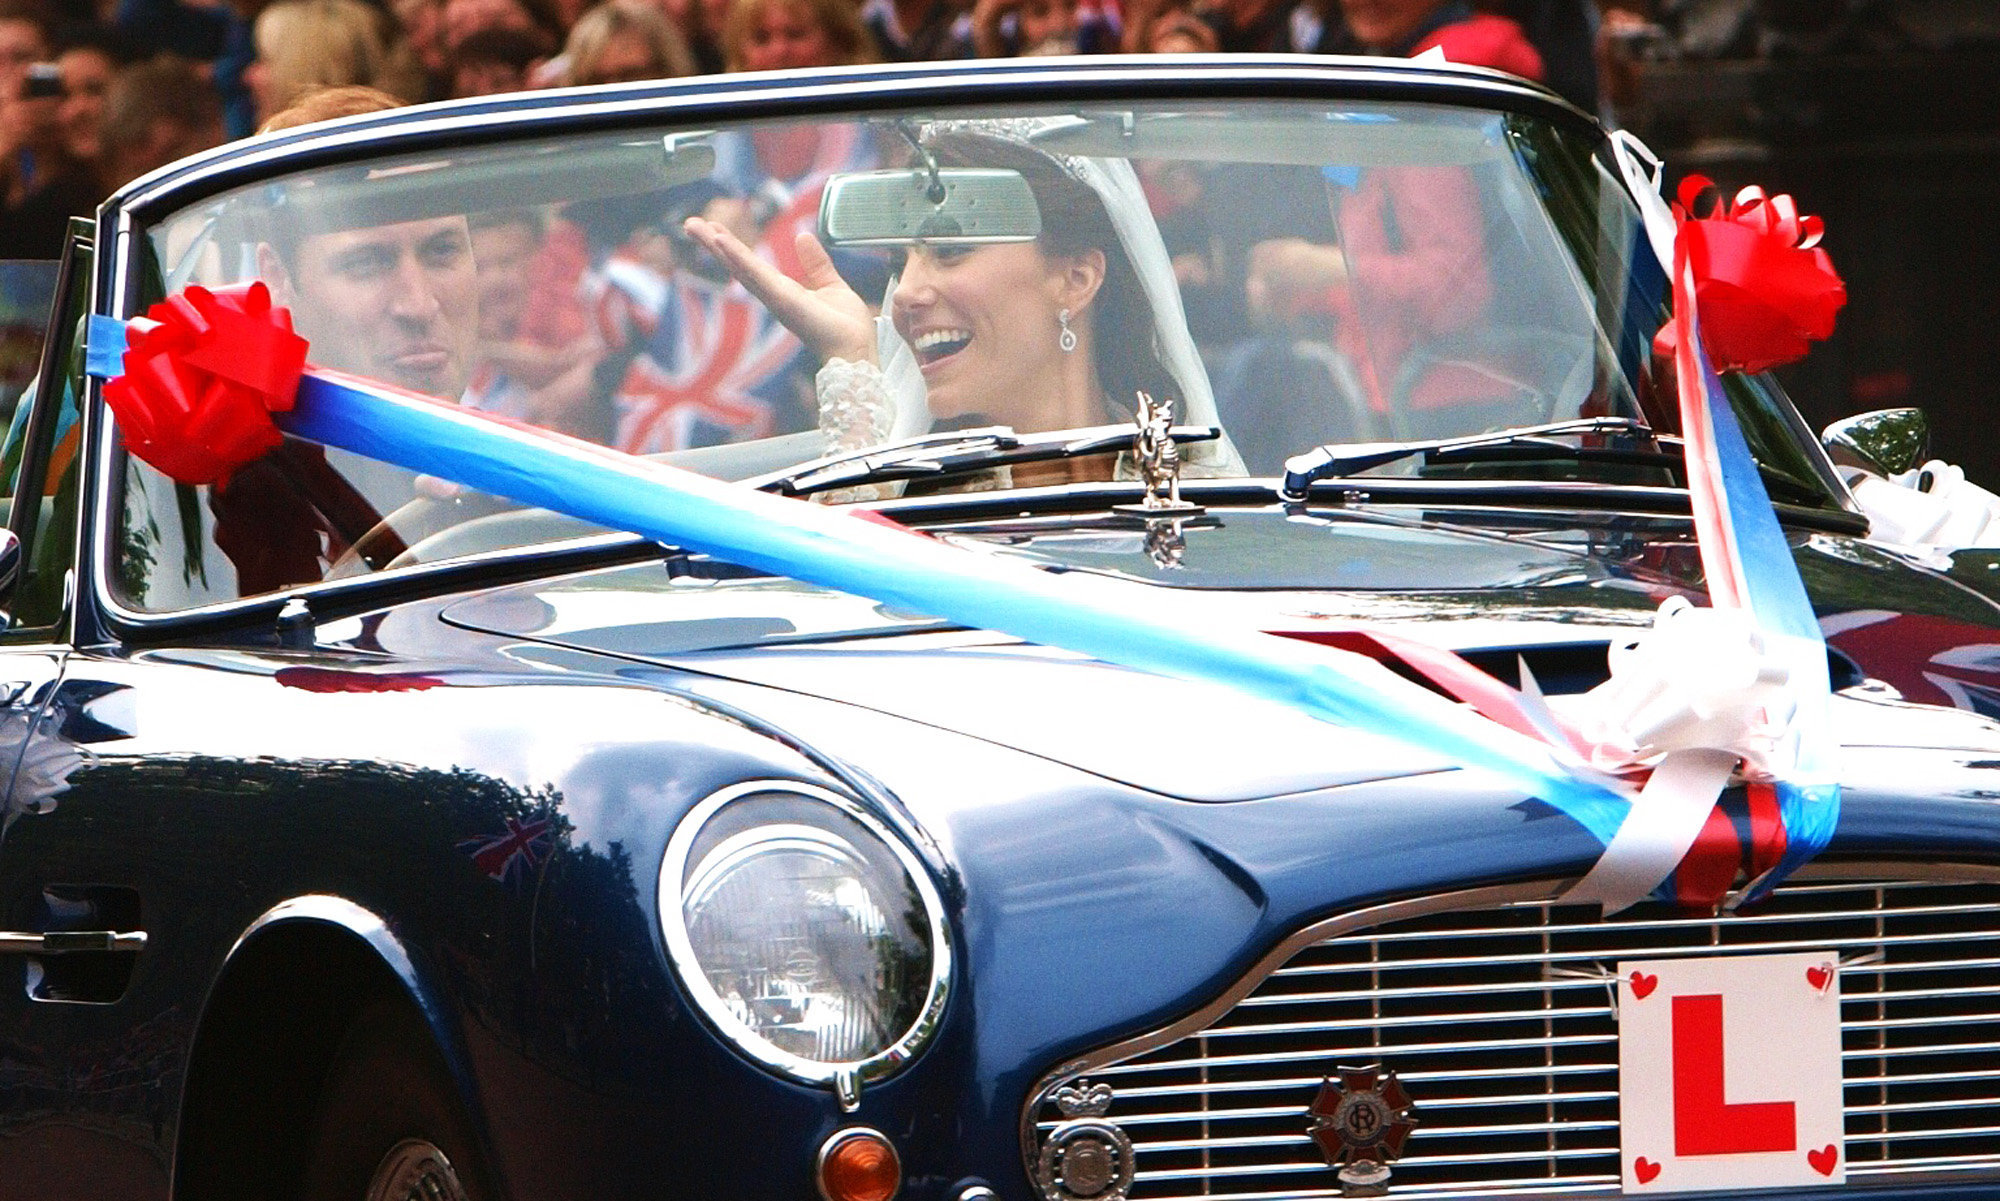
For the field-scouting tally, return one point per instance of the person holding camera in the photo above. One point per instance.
(45, 183)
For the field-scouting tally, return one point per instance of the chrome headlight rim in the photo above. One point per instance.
(848, 1076)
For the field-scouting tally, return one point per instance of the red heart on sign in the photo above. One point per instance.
(1646, 1170)
(1642, 987)
(1824, 1160)
(1819, 977)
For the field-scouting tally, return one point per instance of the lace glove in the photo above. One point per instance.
(854, 411)
(854, 414)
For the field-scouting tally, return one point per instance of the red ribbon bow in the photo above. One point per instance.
(1764, 288)
(204, 371)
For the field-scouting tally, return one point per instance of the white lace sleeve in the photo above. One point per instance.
(854, 408)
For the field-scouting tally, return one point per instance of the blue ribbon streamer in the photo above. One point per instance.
(1809, 802)
(1116, 621)
(104, 347)
(1133, 625)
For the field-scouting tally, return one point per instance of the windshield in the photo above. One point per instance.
(741, 301)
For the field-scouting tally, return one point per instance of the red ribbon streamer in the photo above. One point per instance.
(204, 371)
(1765, 288)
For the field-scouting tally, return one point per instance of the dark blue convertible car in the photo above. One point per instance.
(369, 836)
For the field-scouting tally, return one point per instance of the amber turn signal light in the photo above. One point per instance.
(859, 1164)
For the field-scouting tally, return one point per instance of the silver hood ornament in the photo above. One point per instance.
(1158, 458)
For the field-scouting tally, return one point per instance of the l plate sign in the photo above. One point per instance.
(1729, 1073)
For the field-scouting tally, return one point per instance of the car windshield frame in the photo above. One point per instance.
(860, 93)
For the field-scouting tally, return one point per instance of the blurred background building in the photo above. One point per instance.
(1881, 116)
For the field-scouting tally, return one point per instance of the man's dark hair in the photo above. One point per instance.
(527, 219)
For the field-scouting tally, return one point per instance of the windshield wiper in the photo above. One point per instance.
(1350, 458)
(939, 456)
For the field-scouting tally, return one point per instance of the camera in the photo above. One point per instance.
(43, 81)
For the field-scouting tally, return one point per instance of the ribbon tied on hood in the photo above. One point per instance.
(1700, 679)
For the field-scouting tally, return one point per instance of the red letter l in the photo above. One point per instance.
(1705, 1123)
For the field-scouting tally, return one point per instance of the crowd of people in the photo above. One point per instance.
(91, 100)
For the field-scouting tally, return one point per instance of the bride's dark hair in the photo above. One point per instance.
(1124, 342)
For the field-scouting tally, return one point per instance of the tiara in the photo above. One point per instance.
(1027, 131)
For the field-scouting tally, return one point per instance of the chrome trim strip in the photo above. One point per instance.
(846, 1078)
(1919, 1052)
(1442, 1019)
(1916, 1171)
(72, 942)
(1919, 1106)
(1736, 922)
(1388, 994)
(1226, 1086)
(1745, 948)
(1924, 1078)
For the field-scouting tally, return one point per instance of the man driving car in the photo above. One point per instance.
(396, 303)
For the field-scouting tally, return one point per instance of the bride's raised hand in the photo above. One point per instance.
(827, 315)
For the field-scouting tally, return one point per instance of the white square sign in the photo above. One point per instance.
(1729, 1073)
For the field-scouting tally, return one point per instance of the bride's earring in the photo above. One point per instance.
(1067, 338)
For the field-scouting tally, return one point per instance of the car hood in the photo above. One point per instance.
(1554, 600)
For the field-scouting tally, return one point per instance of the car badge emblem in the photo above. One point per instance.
(1361, 1122)
(1087, 1157)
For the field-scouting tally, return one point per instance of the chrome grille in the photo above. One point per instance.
(1513, 1060)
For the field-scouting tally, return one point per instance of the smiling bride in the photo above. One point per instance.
(1060, 332)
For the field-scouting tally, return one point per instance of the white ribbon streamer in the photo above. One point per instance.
(1693, 697)
(1666, 819)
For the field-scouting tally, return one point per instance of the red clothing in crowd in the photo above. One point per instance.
(1482, 40)
(1415, 246)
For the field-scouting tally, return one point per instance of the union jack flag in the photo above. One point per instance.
(714, 366)
(505, 856)
(715, 370)
(1930, 659)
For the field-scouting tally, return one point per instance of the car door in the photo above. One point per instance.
(38, 469)
(69, 930)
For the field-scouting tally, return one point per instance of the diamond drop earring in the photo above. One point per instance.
(1067, 338)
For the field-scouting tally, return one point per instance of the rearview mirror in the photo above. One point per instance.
(956, 206)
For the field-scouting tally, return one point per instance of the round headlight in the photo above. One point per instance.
(806, 931)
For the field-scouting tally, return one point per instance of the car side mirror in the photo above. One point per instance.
(1885, 441)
